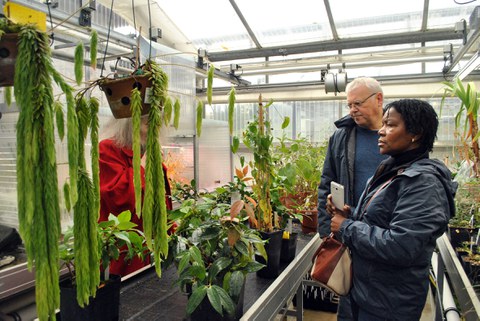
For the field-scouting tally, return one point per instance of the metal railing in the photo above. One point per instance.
(449, 273)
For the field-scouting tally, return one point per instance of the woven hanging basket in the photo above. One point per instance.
(119, 91)
(8, 56)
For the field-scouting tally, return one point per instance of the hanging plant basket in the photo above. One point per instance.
(118, 92)
(8, 56)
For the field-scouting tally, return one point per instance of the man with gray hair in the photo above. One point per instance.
(352, 155)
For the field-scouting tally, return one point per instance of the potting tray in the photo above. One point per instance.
(147, 297)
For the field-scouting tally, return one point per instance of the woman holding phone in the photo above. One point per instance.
(404, 208)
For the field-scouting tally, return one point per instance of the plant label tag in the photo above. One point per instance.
(148, 94)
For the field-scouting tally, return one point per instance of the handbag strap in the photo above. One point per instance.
(374, 195)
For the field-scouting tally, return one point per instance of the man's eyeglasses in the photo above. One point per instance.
(358, 104)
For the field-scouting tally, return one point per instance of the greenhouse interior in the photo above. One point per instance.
(153, 154)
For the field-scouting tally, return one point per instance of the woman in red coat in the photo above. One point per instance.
(116, 182)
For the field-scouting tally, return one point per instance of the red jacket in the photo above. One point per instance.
(117, 194)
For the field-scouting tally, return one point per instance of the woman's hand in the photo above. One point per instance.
(143, 160)
(337, 215)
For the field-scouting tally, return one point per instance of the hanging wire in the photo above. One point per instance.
(108, 38)
(52, 35)
(466, 2)
(134, 21)
(136, 63)
(149, 30)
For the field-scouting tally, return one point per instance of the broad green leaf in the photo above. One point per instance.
(125, 216)
(214, 298)
(196, 255)
(225, 300)
(196, 298)
(217, 266)
(126, 226)
(236, 282)
(184, 263)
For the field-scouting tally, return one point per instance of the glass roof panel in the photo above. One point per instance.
(445, 13)
(214, 27)
(372, 17)
(290, 22)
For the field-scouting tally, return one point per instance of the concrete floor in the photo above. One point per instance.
(313, 315)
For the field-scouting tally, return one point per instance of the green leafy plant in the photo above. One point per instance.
(258, 139)
(466, 122)
(214, 250)
(467, 205)
(115, 236)
(299, 165)
(37, 181)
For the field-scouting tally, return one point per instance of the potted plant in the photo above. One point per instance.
(115, 236)
(466, 220)
(467, 113)
(39, 217)
(214, 251)
(258, 139)
(298, 171)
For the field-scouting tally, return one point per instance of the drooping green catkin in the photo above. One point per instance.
(136, 109)
(38, 208)
(150, 175)
(167, 111)
(72, 134)
(72, 146)
(39, 232)
(60, 119)
(231, 109)
(94, 126)
(199, 118)
(66, 196)
(84, 246)
(154, 207)
(211, 71)
(24, 136)
(93, 48)
(7, 94)
(78, 63)
(34, 95)
(51, 204)
(161, 236)
(176, 113)
(83, 116)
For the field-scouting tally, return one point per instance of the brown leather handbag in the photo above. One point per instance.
(332, 266)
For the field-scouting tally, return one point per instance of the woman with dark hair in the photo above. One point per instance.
(116, 181)
(404, 208)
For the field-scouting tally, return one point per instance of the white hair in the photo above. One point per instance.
(368, 82)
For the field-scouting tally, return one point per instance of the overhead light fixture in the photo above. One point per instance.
(471, 65)
(335, 82)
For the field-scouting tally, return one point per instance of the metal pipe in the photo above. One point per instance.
(449, 307)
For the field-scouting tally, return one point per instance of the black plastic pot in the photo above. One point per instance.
(104, 307)
(458, 235)
(273, 249)
(289, 248)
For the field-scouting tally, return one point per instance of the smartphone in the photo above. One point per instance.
(338, 195)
